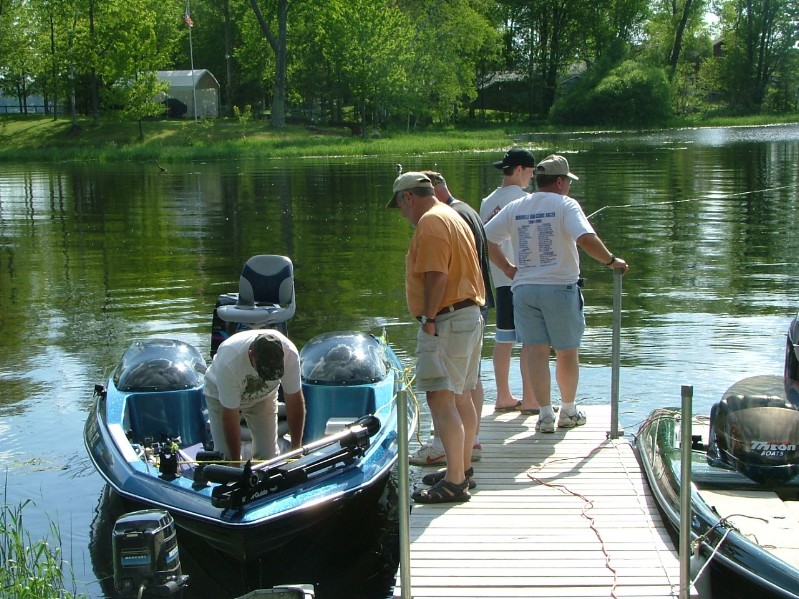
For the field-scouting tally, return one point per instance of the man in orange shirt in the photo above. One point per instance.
(444, 290)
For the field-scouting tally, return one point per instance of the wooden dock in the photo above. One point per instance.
(567, 514)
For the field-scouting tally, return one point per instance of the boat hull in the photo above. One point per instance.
(248, 544)
(739, 566)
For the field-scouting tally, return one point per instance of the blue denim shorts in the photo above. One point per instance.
(549, 314)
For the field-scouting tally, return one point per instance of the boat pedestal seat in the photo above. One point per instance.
(266, 294)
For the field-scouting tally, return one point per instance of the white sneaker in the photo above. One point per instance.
(426, 455)
(576, 419)
(545, 424)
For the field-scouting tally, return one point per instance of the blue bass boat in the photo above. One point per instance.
(148, 437)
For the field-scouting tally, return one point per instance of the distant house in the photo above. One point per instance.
(188, 86)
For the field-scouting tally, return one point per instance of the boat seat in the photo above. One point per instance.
(266, 294)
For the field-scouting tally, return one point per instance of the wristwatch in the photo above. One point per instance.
(424, 319)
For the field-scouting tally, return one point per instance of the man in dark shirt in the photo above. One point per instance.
(433, 452)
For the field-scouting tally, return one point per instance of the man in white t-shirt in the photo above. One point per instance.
(517, 169)
(243, 381)
(545, 229)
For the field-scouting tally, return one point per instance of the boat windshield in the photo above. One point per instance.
(159, 365)
(343, 358)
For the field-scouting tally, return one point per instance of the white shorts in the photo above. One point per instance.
(450, 360)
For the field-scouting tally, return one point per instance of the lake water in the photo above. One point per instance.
(94, 255)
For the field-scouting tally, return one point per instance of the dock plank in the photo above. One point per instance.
(564, 515)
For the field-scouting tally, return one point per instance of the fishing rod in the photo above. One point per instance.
(669, 202)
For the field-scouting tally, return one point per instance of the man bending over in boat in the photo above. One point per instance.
(243, 381)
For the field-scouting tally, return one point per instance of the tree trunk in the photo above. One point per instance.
(228, 59)
(279, 99)
(54, 67)
(94, 91)
(676, 49)
(279, 47)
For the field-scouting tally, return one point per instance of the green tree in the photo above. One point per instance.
(613, 27)
(137, 38)
(351, 60)
(554, 33)
(631, 94)
(18, 50)
(683, 19)
(255, 63)
(215, 37)
(678, 39)
(57, 22)
(452, 41)
(361, 42)
(759, 43)
(545, 39)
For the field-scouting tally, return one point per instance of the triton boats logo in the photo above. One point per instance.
(773, 450)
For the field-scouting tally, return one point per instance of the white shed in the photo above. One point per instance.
(188, 86)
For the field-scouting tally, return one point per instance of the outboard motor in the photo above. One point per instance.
(792, 363)
(755, 431)
(146, 559)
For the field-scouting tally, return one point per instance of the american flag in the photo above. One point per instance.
(188, 20)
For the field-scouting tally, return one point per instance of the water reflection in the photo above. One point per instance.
(95, 255)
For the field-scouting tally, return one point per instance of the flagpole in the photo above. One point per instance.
(189, 22)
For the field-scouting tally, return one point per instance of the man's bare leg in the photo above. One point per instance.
(502, 356)
(451, 430)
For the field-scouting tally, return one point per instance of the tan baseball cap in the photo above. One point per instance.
(409, 180)
(555, 165)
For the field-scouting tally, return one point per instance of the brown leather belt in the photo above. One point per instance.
(456, 306)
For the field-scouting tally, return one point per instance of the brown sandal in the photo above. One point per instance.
(443, 492)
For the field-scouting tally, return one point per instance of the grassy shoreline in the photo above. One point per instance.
(42, 139)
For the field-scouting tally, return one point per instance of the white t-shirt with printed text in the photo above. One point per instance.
(542, 228)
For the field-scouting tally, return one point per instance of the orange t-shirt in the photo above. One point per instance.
(443, 242)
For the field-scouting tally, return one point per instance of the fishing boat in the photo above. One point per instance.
(148, 436)
(744, 495)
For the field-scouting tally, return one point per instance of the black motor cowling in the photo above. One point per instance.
(755, 431)
(146, 555)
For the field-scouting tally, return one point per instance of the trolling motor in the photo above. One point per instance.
(146, 559)
(237, 486)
